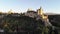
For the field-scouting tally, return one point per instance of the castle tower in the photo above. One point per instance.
(40, 11)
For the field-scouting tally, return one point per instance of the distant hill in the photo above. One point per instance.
(51, 14)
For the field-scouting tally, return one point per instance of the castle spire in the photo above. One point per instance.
(40, 11)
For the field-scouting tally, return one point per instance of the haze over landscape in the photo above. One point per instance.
(49, 6)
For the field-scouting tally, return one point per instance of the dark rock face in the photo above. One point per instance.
(55, 20)
(22, 23)
(28, 24)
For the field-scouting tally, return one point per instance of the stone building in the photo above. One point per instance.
(36, 14)
(31, 13)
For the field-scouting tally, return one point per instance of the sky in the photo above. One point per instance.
(48, 6)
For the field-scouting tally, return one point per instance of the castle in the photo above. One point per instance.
(38, 12)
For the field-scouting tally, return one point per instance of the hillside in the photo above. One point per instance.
(27, 24)
(21, 24)
(55, 20)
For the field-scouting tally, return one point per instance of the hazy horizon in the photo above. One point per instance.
(49, 6)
